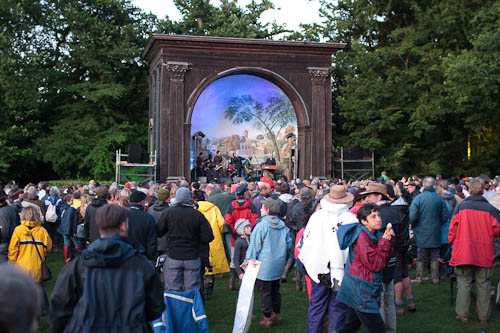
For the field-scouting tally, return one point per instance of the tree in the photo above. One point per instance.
(393, 96)
(199, 17)
(277, 113)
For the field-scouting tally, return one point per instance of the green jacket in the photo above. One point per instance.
(428, 212)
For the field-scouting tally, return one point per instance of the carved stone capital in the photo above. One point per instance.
(177, 70)
(319, 75)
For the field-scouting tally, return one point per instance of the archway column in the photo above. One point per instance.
(172, 159)
(321, 121)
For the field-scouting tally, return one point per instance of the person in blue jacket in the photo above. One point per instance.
(271, 244)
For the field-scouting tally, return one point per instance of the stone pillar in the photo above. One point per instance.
(172, 120)
(321, 121)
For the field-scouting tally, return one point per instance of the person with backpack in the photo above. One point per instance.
(53, 206)
(67, 227)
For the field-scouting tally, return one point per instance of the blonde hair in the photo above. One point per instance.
(30, 214)
(85, 199)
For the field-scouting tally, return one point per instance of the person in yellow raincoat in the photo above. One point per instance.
(22, 249)
(217, 256)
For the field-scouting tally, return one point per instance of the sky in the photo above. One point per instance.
(289, 12)
(208, 113)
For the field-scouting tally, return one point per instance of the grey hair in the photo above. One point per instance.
(429, 182)
(54, 190)
(184, 183)
(125, 193)
(263, 185)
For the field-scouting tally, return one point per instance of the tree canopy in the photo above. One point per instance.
(418, 81)
(73, 85)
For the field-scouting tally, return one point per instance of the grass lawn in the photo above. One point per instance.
(434, 312)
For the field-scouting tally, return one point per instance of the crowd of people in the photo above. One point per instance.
(351, 244)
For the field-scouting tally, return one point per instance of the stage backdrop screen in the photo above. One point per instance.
(245, 114)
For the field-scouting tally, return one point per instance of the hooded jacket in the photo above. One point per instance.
(91, 229)
(427, 213)
(241, 208)
(22, 249)
(320, 252)
(270, 243)
(217, 255)
(368, 253)
(111, 287)
(156, 210)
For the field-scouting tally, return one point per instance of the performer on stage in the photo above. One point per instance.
(208, 168)
(248, 167)
(219, 165)
(199, 165)
(236, 162)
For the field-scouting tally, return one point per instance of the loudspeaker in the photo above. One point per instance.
(134, 153)
(202, 179)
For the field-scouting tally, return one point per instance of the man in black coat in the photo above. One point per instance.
(188, 233)
(141, 226)
(90, 225)
(111, 287)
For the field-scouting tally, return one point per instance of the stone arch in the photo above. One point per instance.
(293, 95)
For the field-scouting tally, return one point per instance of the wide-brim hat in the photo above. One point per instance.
(376, 188)
(339, 195)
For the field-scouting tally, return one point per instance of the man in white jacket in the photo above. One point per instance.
(324, 260)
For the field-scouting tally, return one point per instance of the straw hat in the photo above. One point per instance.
(339, 195)
(377, 188)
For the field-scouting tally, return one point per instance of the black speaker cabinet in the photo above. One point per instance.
(134, 153)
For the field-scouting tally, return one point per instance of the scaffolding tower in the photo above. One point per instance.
(122, 162)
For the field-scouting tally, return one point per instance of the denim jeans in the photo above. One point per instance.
(387, 307)
(70, 240)
(179, 273)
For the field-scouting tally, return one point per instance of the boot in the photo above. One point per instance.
(232, 280)
(298, 280)
(435, 272)
(66, 254)
(420, 271)
(266, 322)
(288, 266)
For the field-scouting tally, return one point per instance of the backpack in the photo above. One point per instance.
(51, 215)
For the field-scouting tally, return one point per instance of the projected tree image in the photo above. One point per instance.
(247, 115)
(276, 114)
